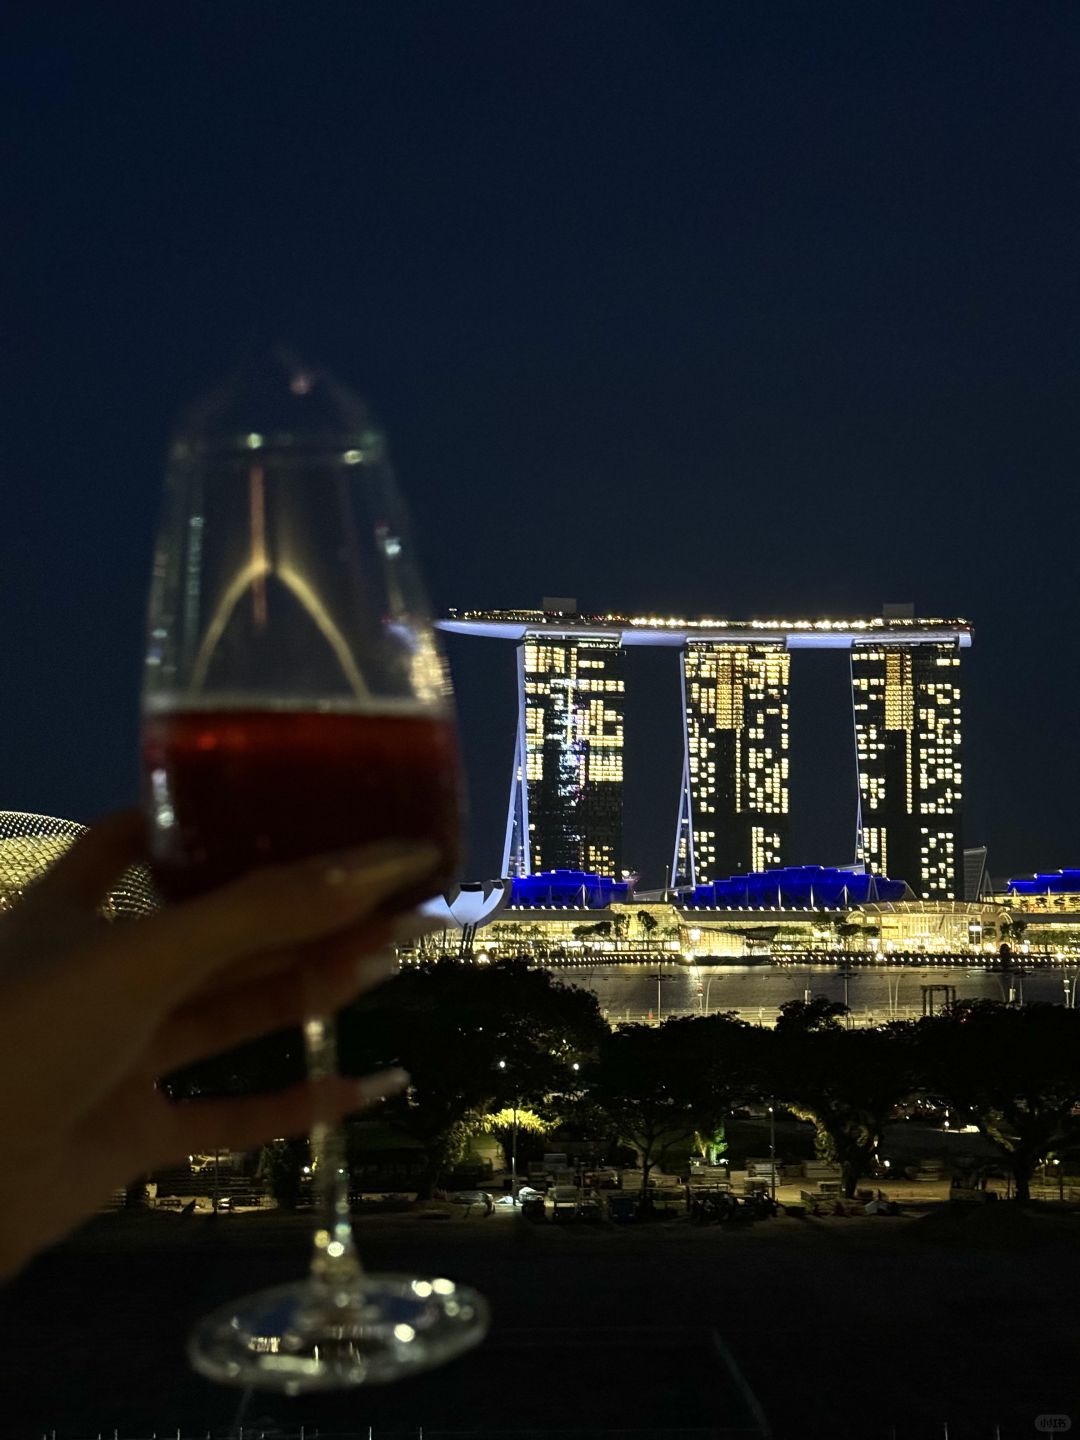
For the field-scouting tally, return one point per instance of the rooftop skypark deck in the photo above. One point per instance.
(821, 634)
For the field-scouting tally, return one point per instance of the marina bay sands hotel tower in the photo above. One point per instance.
(565, 807)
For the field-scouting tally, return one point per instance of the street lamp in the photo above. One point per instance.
(660, 978)
(847, 975)
(513, 1147)
(708, 986)
(772, 1154)
(894, 993)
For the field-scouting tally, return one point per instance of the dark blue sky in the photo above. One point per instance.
(744, 310)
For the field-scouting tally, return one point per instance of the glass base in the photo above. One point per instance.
(306, 1336)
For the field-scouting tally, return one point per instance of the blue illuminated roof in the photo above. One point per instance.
(574, 889)
(1053, 882)
(794, 887)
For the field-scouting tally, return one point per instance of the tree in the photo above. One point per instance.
(1013, 929)
(647, 922)
(849, 929)
(661, 1086)
(280, 1169)
(806, 1016)
(712, 1145)
(846, 1083)
(450, 1026)
(637, 1083)
(520, 1119)
(601, 927)
(1012, 1070)
(500, 1122)
(537, 938)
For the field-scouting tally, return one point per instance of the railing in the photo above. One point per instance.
(902, 1430)
(418, 1432)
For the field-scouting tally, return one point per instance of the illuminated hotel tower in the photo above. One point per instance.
(566, 799)
(566, 807)
(908, 741)
(734, 803)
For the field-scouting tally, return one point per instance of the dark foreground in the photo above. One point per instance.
(868, 1328)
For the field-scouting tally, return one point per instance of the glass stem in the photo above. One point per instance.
(334, 1261)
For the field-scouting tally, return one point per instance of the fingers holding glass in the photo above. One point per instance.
(206, 1125)
(283, 906)
(212, 1023)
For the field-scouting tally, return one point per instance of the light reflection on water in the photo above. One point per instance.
(685, 989)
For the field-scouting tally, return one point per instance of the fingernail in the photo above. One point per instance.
(381, 1085)
(404, 860)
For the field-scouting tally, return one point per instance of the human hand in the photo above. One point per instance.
(91, 1013)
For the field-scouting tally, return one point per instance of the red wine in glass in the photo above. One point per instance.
(251, 787)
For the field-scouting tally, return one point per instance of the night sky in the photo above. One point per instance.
(746, 310)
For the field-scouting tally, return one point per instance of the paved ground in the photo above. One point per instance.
(839, 1327)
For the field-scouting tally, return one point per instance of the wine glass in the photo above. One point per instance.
(295, 702)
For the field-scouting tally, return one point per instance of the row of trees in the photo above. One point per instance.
(478, 1041)
(617, 926)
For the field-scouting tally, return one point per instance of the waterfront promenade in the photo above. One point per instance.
(638, 993)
